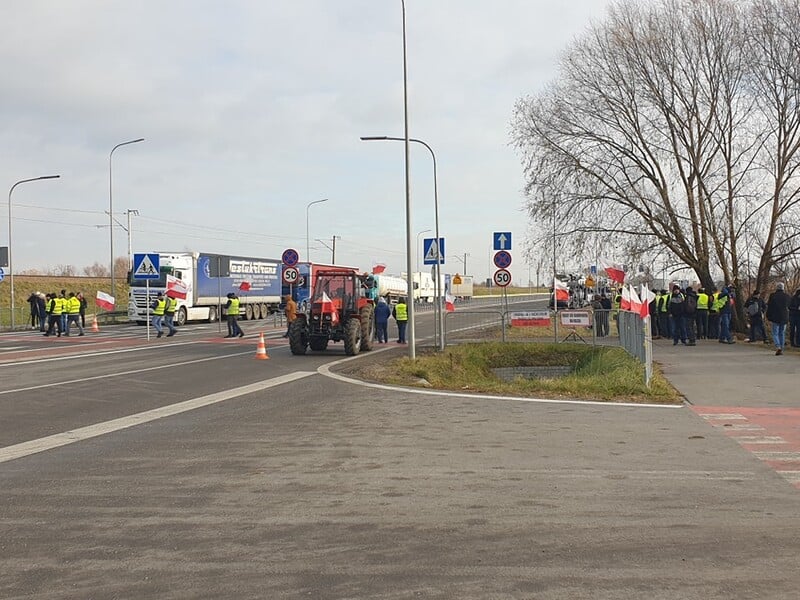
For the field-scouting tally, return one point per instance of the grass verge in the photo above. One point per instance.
(601, 373)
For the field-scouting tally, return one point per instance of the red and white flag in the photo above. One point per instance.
(244, 286)
(176, 288)
(636, 303)
(104, 301)
(449, 303)
(615, 271)
(561, 290)
(647, 297)
(378, 269)
(625, 302)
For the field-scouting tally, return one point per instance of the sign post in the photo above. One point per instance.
(147, 267)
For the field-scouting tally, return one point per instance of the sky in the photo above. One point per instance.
(251, 110)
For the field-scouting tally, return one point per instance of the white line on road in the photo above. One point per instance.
(91, 431)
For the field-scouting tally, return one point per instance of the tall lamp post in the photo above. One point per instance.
(438, 282)
(10, 262)
(308, 245)
(111, 208)
(418, 252)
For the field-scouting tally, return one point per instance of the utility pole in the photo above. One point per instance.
(333, 250)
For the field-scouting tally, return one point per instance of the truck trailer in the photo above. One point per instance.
(208, 279)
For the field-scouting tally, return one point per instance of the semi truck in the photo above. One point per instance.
(208, 278)
(391, 287)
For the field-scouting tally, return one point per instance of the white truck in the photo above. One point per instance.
(208, 279)
(461, 291)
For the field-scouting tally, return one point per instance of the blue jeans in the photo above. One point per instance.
(778, 334)
(725, 326)
(679, 329)
(382, 331)
(401, 331)
(157, 319)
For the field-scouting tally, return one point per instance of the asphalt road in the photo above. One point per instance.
(186, 468)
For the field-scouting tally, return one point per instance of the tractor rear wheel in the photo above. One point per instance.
(367, 327)
(298, 337)
(318, 344)
(352, 337)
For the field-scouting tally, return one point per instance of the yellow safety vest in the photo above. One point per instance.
(233, 309)
(718, 303)
(160, 307)
(401, 310)
(702, 301)
(172, 306)
(55, 306)
(73, 306)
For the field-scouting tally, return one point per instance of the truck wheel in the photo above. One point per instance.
(264, 310)
(367, 327)
(318, 344)
(180, 318)
(298, 337)
(352, 337)
(212, 314)
(248, 312)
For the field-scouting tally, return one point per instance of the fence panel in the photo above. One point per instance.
(474, 325)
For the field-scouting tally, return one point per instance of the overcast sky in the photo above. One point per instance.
(251, 110)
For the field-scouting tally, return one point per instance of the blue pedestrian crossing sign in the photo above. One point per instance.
(145, 266)
(431, 256)
(502, 240)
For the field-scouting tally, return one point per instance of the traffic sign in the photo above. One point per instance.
(457, 279)
(502, 277)
(502, 240)
(290, 275)
(502, 259)
(290, 257)
(429, 251)
(145, 266)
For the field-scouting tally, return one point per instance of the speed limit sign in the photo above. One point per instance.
(502, 277)
(290, 275)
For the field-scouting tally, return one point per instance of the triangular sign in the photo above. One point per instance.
(146, 267)
(433, 251)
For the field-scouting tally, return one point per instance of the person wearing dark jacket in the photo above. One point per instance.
(778, 315)
(677, 317)
(690, 314)
(794, 320)
(754, 308)
(382, 314)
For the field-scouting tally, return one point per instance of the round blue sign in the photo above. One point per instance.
(290, 257)
(502, 259)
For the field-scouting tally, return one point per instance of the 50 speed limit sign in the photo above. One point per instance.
(290, 275)
(502, 277)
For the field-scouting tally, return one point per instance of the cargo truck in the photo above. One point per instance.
(208, 279)
(462, 291)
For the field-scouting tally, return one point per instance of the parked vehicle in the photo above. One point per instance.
(208, 279)
(391, 287)
(461, 291)
(300, 291)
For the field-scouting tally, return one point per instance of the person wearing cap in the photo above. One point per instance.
(778, 315)
(232, 313)
(159, 307)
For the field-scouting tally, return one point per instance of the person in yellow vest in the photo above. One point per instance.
(400, 314)
(701, 316)
(169, 314)
(73, 313)
(53, 314)
(232, 312)
(62, 297)
(159, 307)
(713, 314)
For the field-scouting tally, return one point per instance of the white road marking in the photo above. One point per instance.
(79, 354)
(792, 476)
(84, 433)
(759, 439)
(779, 456)
(724, 417)
(131, 372)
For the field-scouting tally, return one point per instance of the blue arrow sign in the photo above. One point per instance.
(429, 251)
(146, 266)
(502, 240)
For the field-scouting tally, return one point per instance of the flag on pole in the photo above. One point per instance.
(244, 286)
(449, 303)
(104, 301)
(176, 288)
(561, 290)
(625, 302)
(378, 269)
(636, 303)
(647, 297)
(615, 271)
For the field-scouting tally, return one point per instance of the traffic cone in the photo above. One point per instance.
(261, 350)
(95, 327)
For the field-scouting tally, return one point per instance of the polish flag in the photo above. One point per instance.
(625, 303)
(562, 291)
(378, 269)
(104, 301)
(328, 307)
(636, 303)
(614, 271)
(244, 286)
(176, 288)
(647, 297)
(449, 303)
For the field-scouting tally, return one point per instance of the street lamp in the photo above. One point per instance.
(308, 245)
(418, 252)
(130, 212)
(10, 262)
(111, 207)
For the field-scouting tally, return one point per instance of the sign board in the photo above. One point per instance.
(456, 279)
(146, 266)
(502, 277)
(501, 240)
(531, 318)
(589, 282)
(290, 257)
(575, 318)
(3, 256)
(429, 252)
(290, 275)
(502, 259)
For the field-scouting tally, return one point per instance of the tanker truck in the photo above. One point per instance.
(208, 278)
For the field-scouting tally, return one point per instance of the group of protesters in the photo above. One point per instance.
(56, 312)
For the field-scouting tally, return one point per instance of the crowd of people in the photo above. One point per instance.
(55, 313)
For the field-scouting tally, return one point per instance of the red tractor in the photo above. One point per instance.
(340, 309)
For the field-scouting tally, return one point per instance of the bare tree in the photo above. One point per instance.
(96, 270)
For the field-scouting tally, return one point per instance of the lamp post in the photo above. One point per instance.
(308, 245)
(111, 207)
(10, 262)
(131, 212)
(418, 253)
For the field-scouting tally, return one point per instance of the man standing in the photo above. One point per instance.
(53, 314)
(794, 320)
(73, 314)
(754, 307)
(676, 313)
(169, 314)
(778, 315)
(159, 306)
(724, 304)
(701, 317)
(400, 314)
(690, 314)
(382, 314)
(290, 311)
(232, 312)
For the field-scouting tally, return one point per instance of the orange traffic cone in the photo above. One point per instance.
(95, 327)
(261, 350)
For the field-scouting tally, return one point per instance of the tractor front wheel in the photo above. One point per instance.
(367, 327)
(298, 337)
(352, 337)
